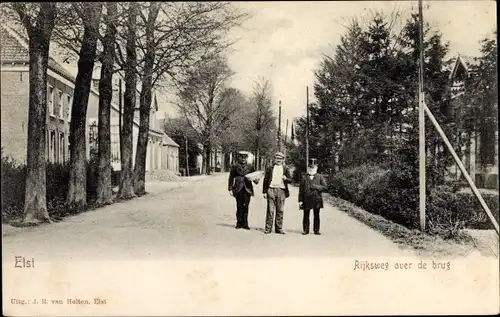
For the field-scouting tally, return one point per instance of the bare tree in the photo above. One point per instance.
(172, 37)
(261, 132)
(90, 15)
(104, 186)
(145, 100)
(130, 65)
(206, 103)
(39, 20)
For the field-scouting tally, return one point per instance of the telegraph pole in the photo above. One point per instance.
(187, 158)
(307, 127)
(120, 110)
(279, 127)
(286, 134)
(421, 120)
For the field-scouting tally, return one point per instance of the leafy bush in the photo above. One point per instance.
(379, 191)
(449, 211)
(13, 176)
(394, 195)
(13, 187)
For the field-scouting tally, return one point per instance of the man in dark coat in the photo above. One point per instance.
(275, 190)
(311, 186)
(241, 188)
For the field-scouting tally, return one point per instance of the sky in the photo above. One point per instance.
(284, 41)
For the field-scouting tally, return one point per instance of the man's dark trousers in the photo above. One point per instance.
(306, 223)
(242, 202)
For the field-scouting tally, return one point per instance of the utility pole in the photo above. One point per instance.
(421, 120)
(120, 114)
(279, 127)
(286, 135)
(307, 127)
(187, 158)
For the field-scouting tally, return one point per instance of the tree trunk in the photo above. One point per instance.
(142, 140)
(126, 179)
(104, 187)
(77, 189)
(145, 104)
(208, 152)
(257, 159)
(203, 167)
(35, 204)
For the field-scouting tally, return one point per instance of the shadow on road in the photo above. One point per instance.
(258, 228)
(232, 227)
(294, 231)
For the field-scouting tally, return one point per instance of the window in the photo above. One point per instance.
(52, 149)
(60, 108)
(115, 143)
(62, 152)
(68, 97)
(50, 100)
(93, 138)
(47, 142)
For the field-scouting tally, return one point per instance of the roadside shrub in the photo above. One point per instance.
(13, 177)
(351, 184)
(449, 211)
(394, 195)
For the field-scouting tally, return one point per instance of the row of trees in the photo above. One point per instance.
(367, 94)
(214, 114)
(146, 43)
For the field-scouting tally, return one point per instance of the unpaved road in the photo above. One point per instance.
(194, 219)
(176, 252)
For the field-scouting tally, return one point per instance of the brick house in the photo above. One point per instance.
(60, 88)
(15, 100)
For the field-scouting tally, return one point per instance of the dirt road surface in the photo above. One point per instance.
(176, 252)
(194, 219)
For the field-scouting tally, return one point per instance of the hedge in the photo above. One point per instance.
(13, 176)
(391, 194)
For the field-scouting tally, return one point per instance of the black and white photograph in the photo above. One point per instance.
(249, 158)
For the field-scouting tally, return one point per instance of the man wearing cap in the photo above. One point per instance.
(241, 188)
(275, 190)
(311, 187)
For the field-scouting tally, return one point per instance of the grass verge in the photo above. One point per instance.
(423, 244)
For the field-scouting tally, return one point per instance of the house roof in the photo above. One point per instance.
(168, 141)
(14, 49)
(464, 62)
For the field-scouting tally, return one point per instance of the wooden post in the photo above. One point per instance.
(307, 127)
(421, 122)
(120, 114)
(461, 166)
(187, 158)
(279, 127)
(286, 133)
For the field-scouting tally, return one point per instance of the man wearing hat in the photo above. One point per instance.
(241, 188)
(311, 186)
(275, 190)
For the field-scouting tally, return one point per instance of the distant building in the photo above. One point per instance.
(162, 152)
(484, 174)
